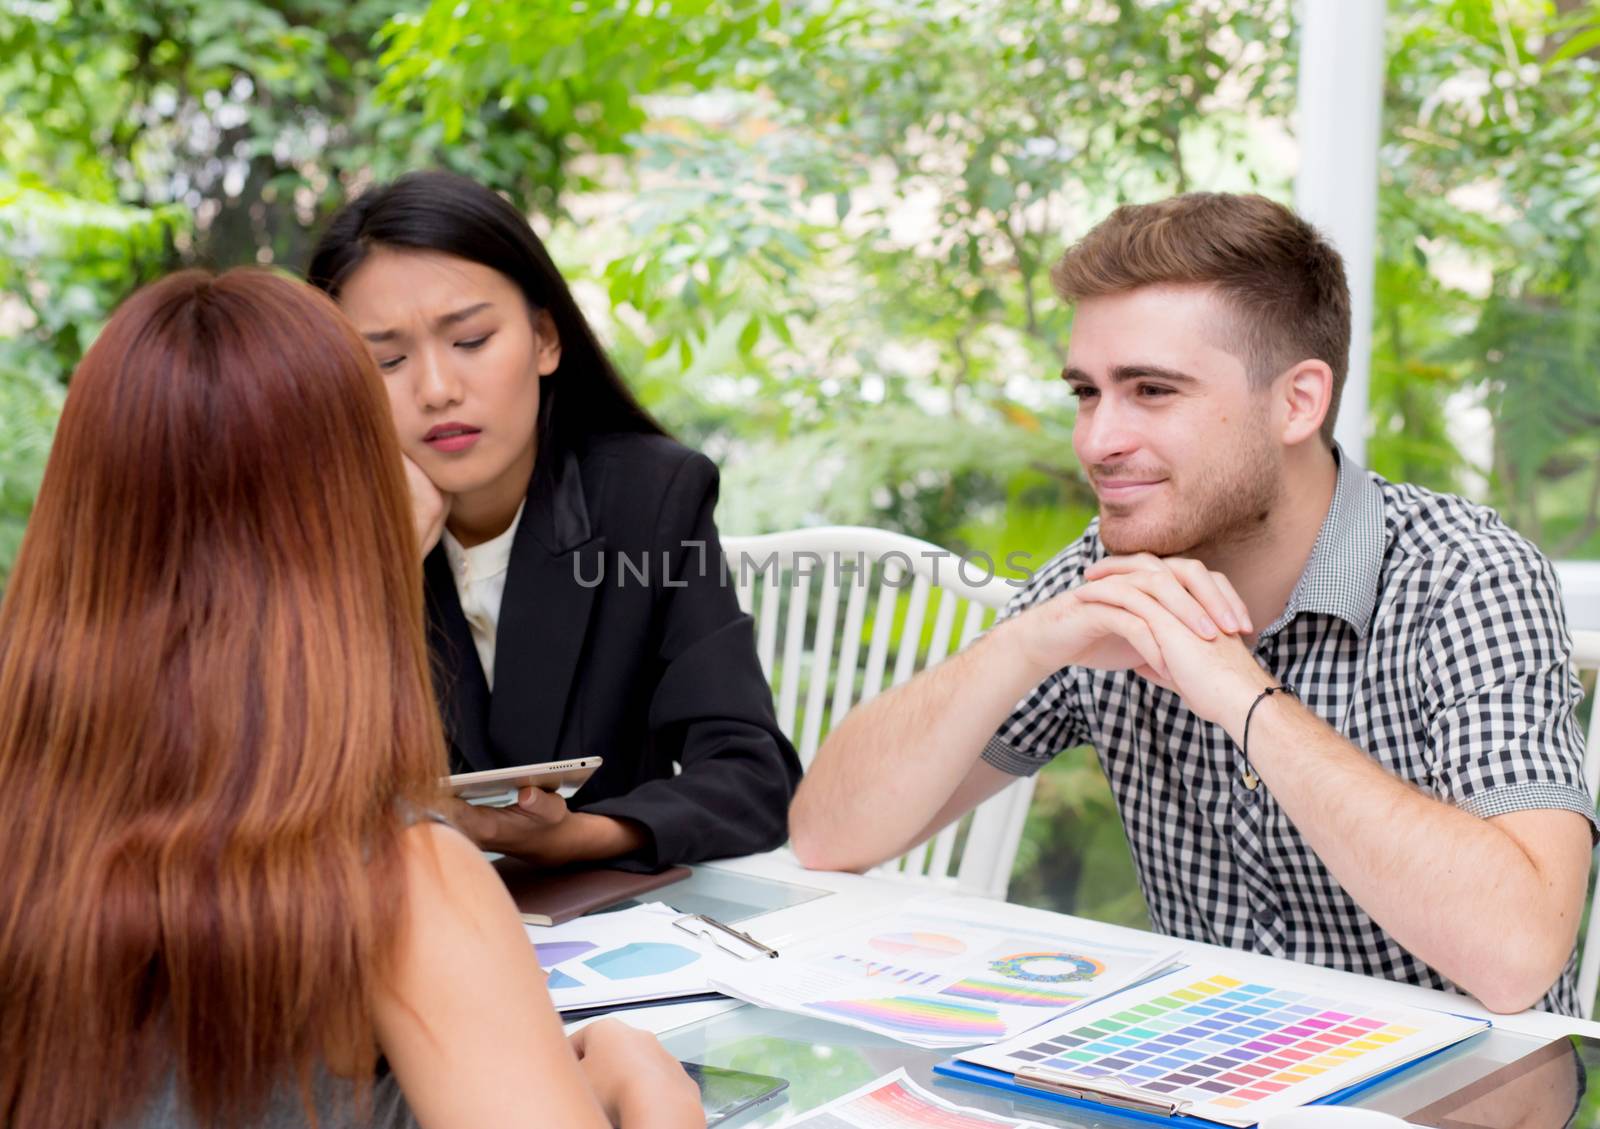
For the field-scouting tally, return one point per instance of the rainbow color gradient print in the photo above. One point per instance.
(945, 972)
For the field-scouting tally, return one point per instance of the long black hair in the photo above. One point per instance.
(440, 211)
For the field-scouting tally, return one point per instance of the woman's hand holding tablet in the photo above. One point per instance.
(539, 827)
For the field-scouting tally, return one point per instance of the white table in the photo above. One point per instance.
(823, 1060)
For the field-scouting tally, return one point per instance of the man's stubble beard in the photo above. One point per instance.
(1226, 506)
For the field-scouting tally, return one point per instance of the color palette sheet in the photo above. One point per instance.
(949, 972)
(627, 956)
(1218, 1045)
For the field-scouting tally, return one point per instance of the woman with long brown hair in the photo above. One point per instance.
(221, 897)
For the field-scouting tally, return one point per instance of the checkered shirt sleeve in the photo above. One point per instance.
(1498, 692)
(1050, 718)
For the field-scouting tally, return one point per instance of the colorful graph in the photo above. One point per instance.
(552, 953)
(1048, 968)
(559, 979)
(922, 1016)
(641, 958)
(864, 967)
(1218, 1042)
(927, 945)
(1021, 995)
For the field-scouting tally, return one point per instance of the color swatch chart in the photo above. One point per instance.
(1230, 1050)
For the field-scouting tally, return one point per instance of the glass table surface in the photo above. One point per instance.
(729, 896)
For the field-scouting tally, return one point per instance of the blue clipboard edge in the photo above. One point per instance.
(999, 1079)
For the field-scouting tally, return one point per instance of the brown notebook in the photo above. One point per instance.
(550, 897)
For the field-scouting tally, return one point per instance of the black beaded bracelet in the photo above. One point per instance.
(1251, 780)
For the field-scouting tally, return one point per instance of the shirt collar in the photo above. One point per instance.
(482, 561)
(1341, 578)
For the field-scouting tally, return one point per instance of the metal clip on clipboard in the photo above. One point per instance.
(704, 925)
(1115, 1094)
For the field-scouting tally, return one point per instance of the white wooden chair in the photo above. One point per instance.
(887, 580)
(1586, 657)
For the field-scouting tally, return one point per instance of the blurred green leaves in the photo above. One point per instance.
(532, 86)
(64, 262)
(866, 211)
(1489, 273)
(30, 402)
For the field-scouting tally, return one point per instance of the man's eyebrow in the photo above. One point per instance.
(1121, 374)
(444, 322)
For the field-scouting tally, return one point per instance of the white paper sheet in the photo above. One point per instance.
(896, 1102)
(947, 972)
(628, 956)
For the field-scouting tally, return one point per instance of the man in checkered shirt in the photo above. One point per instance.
(1419, 812)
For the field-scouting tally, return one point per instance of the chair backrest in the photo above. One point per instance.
(1586, 658)
(886, 582)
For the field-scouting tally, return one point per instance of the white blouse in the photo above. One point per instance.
(480, 576)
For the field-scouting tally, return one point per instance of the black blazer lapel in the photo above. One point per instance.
(544, 617)
(462, 691)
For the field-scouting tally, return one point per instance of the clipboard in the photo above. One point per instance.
(643, 956)
(573, 1014)
(725, 937)
(987, 1076)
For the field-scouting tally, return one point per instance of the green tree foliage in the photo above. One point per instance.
(1490, 262)
(865, 234)
(135, 137)
(64, 262)
(531, 88)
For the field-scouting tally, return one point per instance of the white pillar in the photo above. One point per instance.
(1341, 100)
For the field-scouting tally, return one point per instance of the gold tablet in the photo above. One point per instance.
(551, 776)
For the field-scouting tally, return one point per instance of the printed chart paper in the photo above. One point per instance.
(623, 957)
(896, 1102)
(1226, 1046)
(934, 974)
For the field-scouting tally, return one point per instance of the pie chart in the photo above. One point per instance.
(927, 945)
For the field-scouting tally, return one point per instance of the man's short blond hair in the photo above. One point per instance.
(1284, 282)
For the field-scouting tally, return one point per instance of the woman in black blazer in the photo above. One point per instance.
(576, 596)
